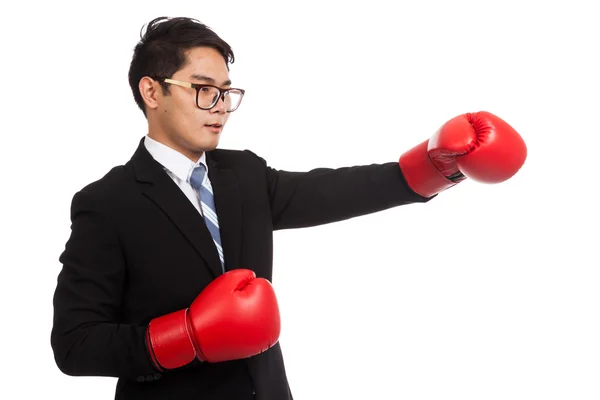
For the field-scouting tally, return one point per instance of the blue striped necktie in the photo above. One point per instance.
(207, 203)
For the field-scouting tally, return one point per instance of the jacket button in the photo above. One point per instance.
(140, 379)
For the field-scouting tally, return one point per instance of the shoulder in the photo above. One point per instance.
(111, 181)
(115, 184)
(237, 159)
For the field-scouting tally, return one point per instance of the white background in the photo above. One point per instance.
(487, 292)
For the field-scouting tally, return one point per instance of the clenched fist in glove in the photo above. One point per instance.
(478, 146)
(235, 316)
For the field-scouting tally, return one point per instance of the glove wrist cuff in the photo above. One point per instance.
(420, 173)
(169, 341)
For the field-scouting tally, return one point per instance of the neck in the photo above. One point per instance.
(164, 139)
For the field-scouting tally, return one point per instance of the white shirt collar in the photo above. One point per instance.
(171, 159)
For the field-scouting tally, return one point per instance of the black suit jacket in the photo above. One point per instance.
(139, 249)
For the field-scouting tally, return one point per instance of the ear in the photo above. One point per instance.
(149, 89)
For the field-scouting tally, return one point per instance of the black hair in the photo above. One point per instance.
(162, 49)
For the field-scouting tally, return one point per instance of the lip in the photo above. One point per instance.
(214, 128)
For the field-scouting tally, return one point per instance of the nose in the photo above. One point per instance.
(220, 106)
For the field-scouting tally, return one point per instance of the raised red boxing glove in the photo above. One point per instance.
(236, 316)
(478, 146)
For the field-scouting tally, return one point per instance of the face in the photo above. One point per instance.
(174, 119)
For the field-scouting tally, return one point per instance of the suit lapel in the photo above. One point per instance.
(160, 188)
(228, 203)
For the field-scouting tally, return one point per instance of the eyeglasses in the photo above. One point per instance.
(207, 96)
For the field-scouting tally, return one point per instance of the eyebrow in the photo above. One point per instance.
(209, 79)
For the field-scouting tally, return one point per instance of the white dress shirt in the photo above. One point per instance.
(178, 167)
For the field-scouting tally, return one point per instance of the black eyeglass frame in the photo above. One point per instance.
(199, 86)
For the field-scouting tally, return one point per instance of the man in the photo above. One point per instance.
(166, 275)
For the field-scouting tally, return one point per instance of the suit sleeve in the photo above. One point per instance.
(325, 195)
(87, 337)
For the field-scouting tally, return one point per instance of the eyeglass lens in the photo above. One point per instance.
(209, 96)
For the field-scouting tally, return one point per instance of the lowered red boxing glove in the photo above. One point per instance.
(235, 316)
(479, 146)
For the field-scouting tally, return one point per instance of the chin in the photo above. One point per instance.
(209, 146)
